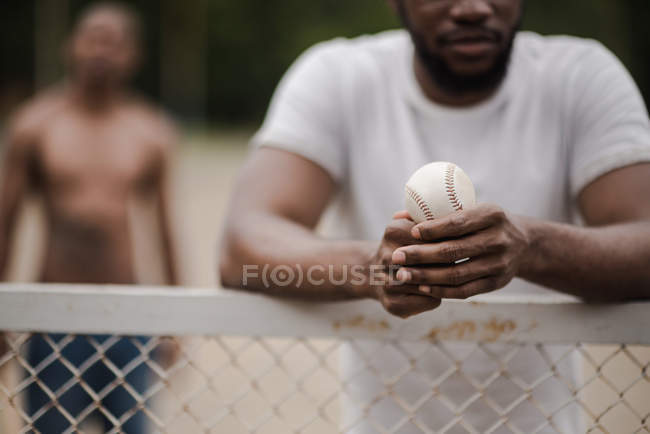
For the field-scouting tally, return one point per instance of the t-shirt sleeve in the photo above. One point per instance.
(610, 127)
(304, 116)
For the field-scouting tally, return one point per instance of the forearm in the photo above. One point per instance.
(167, 240)
(169, 254)
(4, 256)
(323, 270)
(609, 263)
(7, 224)
(10, 203)
(170, 262)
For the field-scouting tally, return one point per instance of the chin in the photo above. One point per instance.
(471, 67)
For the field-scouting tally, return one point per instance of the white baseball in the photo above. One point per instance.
(438, 189)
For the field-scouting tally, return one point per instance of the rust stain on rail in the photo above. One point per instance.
(457, 330)
(494, 329)
(489, 331)
(360, 322)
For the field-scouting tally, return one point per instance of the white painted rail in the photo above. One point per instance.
(127, 310)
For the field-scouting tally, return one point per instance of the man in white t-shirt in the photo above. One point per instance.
(552, 131)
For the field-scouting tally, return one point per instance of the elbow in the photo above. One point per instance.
(234, 256)
(229, 267)
(226, 273)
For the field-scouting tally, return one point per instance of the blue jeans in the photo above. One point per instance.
(97, 377)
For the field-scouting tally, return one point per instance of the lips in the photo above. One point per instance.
(471, 43)
(470, 36)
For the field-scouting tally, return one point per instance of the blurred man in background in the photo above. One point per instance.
(91, 149)
(552, 130)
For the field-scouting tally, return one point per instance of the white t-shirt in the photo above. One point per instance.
(567, 112)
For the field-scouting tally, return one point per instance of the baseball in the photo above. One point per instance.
(438, 189)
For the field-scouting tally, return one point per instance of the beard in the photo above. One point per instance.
(461, 84)
(454, 83)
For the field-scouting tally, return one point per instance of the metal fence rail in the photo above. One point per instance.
(92, 359)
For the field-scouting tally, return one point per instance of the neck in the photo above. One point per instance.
(95, 98)
(438, 95)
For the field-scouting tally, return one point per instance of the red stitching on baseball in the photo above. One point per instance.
(451, 190)
(420, 202)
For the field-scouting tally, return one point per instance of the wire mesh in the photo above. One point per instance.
(227, 384)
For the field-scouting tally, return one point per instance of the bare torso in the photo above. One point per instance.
(88, 168)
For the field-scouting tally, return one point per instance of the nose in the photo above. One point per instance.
(471, 11)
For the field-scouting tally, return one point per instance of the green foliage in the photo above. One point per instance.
(252, 42)
(620, 25)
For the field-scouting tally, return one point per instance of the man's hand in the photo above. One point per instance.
(3, 344)
(168, 352)
(495, 243)
(399, 299)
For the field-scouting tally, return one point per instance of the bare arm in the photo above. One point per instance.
(163, 204)
(16, 169)
(275, 206)
(607, 261)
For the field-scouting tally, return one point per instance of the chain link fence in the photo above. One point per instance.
(216, 363)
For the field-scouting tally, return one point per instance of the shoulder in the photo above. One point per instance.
(28, 122)
(381, 43)
(349, 66)
(561, 54)
(350, 57)
(569, 72)
(158, 128)
(378, 47)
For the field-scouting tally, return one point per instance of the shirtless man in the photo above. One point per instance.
(90, 148)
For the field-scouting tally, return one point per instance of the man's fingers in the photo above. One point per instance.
(398, 232)
(406, 289)
(3, 344)
(402, 215)
(446, 252)
(487, 242)
(406, 305)
(476, 287)
(459, 223)
(452, 275)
